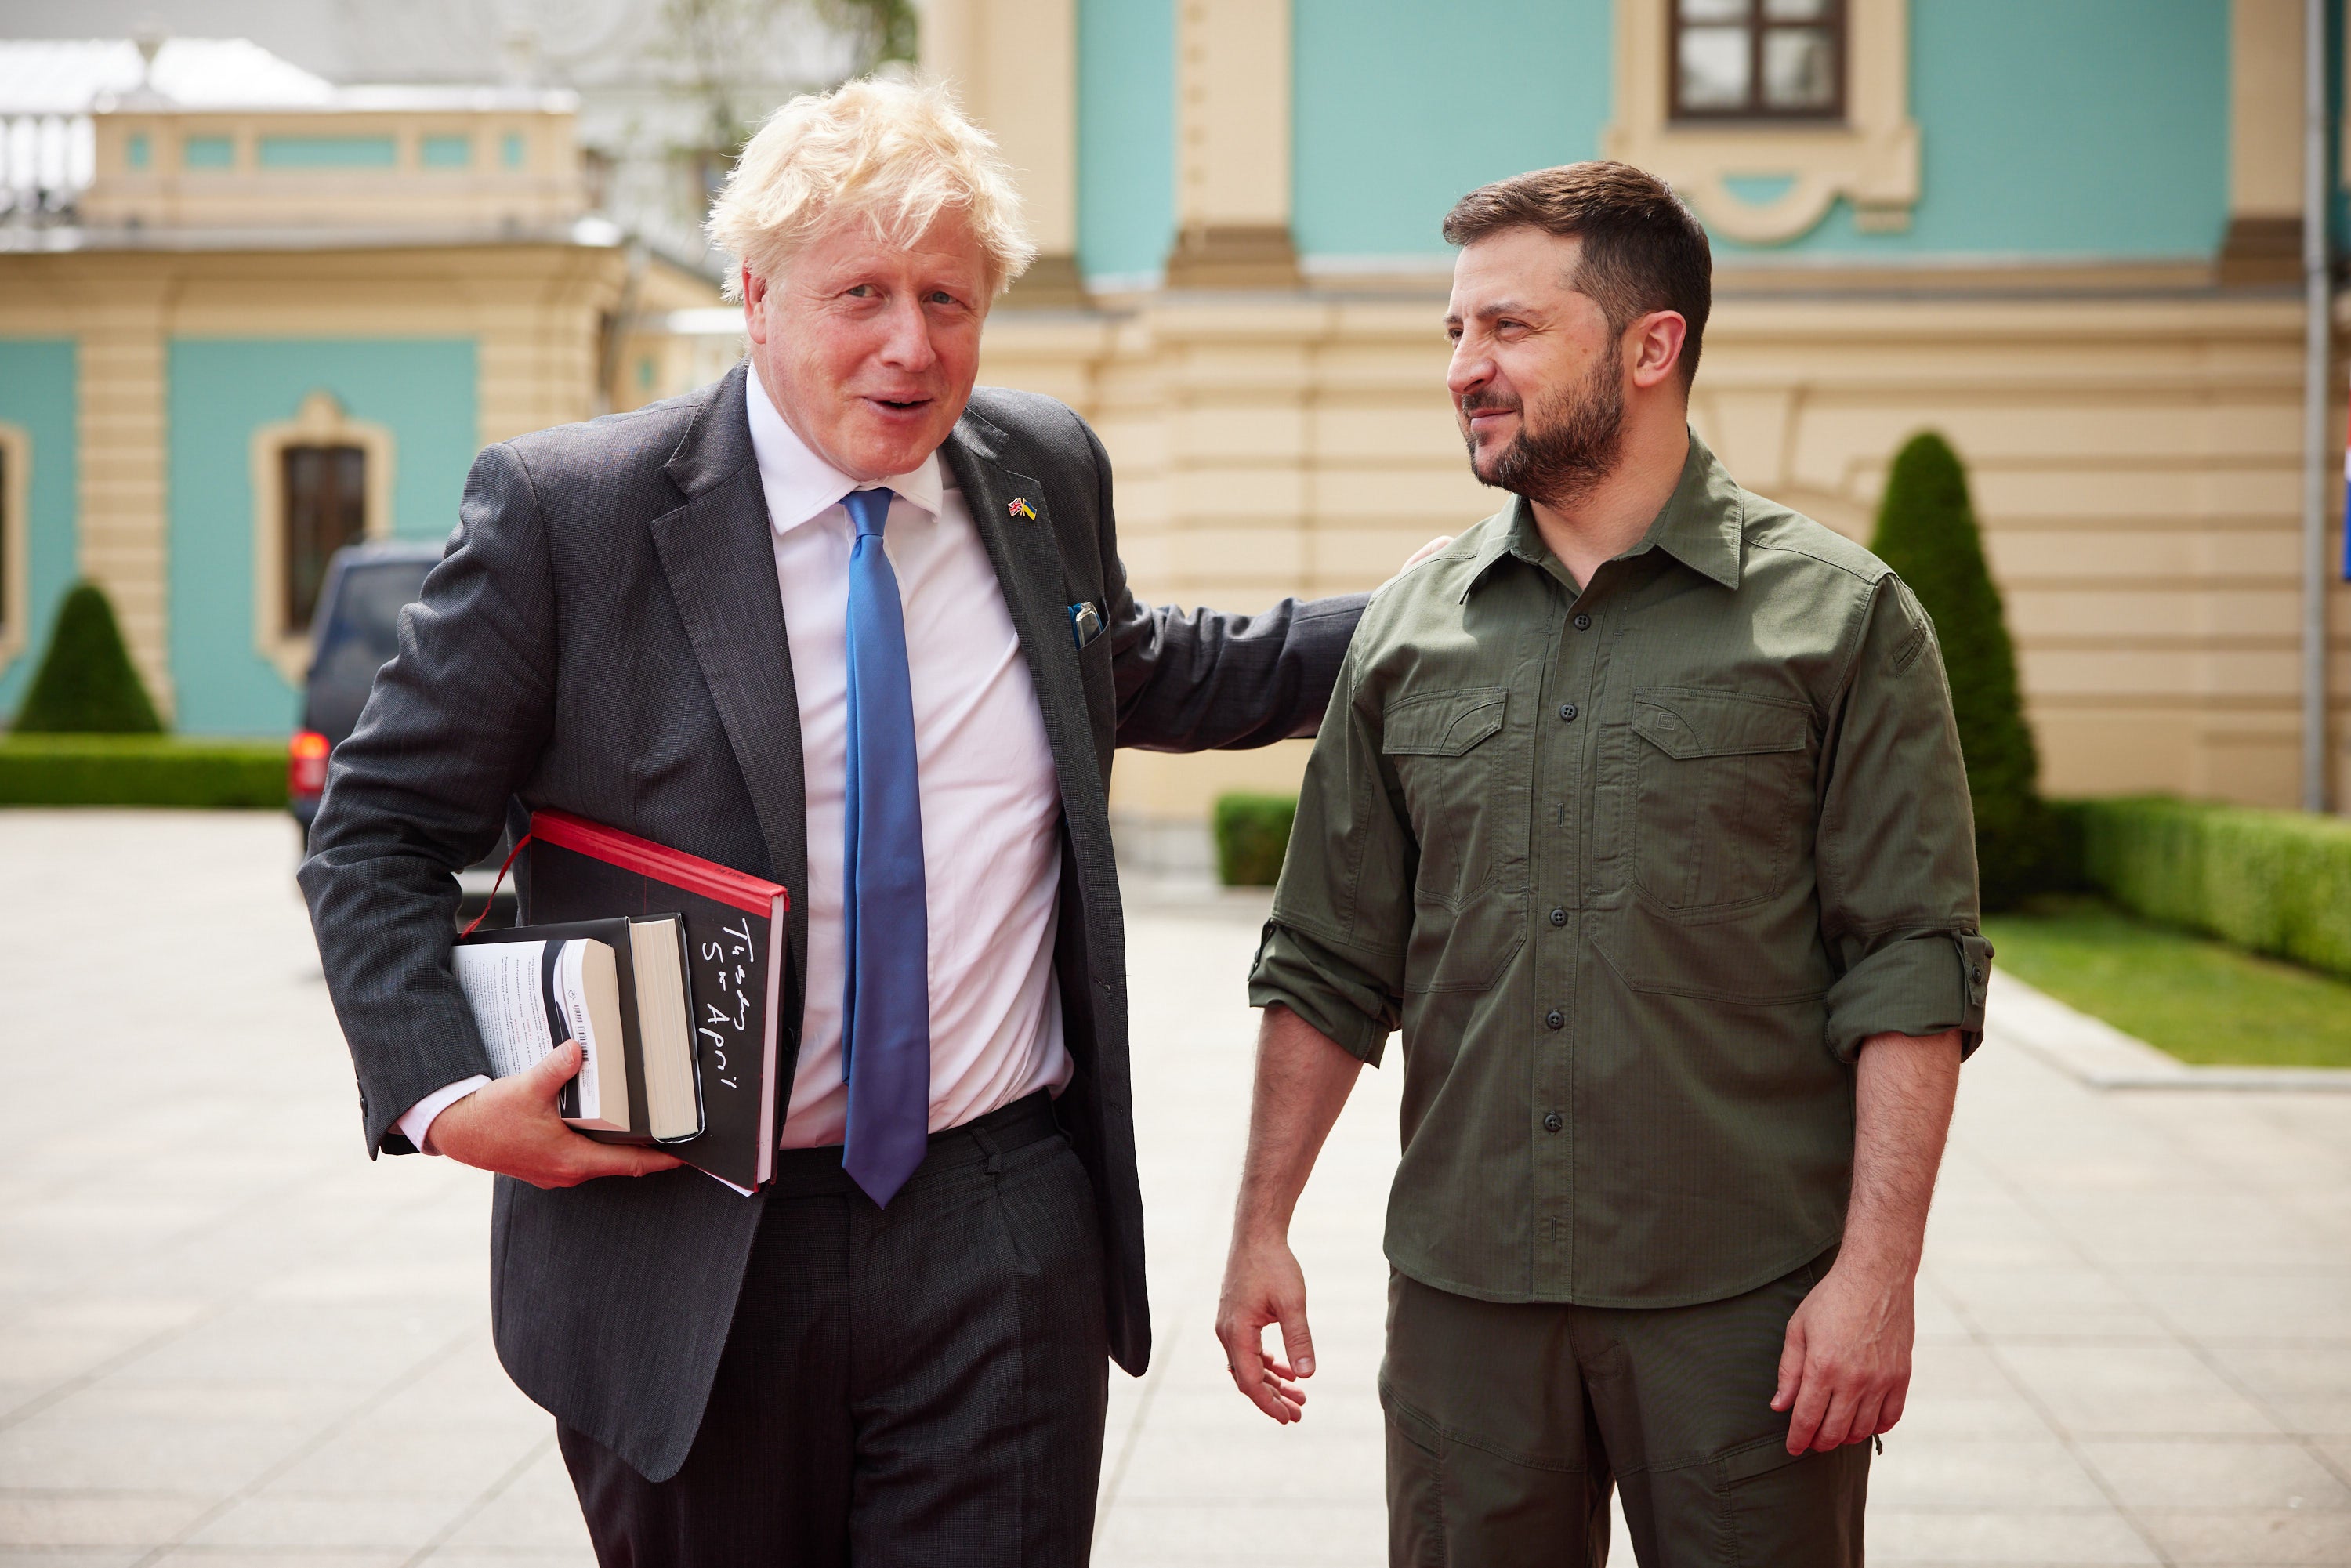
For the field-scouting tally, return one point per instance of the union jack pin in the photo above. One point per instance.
(1021, 508)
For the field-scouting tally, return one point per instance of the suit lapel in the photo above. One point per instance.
(717, 555)
(1027, 556)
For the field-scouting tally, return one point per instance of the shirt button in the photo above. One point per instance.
(1559, 917)
(1567, 711)
(1553, 1122)
(1583, 622)
(1556, 1018)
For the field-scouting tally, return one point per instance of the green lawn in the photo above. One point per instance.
(2201, 1000)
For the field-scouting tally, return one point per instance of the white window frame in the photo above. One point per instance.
(1870, 158)
(320, 421)
(16, 540)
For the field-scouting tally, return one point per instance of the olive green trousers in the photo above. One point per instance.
(1508, 1425)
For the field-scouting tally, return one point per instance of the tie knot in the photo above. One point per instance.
(868, 509)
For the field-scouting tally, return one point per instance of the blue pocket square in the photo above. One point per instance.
(1085, 621)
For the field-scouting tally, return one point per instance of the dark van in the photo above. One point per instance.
(358, 622)
(357, 631)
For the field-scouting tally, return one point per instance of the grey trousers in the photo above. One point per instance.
(1508, 1425)
(919, 1385)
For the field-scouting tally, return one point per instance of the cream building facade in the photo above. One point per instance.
(228, 260)
(2063, 236)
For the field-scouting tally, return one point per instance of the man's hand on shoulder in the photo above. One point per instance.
(1424, 552)
(512, 1127)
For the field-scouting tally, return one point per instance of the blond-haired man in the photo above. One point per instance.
(841, 620)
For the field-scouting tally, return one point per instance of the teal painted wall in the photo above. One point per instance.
(222, 389)
(2090, 128)
(2084, 128)
(1126, 136)
(38, 395)
(1400, 106)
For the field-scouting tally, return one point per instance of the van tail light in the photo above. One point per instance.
(306, 763)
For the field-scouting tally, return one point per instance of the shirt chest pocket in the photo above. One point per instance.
(1442, 746)
(1721, 792)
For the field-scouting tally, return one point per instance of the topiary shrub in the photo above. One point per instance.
(1252, 835)
(1926, 532)
(86, 684)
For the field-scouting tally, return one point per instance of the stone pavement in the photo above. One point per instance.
(226, 1337)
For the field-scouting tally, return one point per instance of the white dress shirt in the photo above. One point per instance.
(990, 797)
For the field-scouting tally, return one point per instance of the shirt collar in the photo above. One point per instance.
(801, 486)
(1698, 525)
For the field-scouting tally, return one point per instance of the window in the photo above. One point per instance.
(325, 510)
(1757, 59)
(1757, 167)
(321, 480)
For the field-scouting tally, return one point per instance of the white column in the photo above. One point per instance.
(1013, 65)
(124, 543)
(2264, 242)
(1232, 182)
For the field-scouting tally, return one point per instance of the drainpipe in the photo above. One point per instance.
(2316, 332)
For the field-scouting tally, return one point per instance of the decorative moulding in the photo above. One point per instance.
(1799, 169)
(320, 422)
(16, 539)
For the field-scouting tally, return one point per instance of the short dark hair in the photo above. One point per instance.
(1642, 251)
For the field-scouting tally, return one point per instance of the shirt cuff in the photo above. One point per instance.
(1918, 985)
(417, 1120)
(1332, 995)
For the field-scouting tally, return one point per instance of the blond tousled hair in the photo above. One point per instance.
(896, 153)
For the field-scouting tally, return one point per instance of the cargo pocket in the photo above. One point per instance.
(1803, 1507)
(1722, 791)
(1437, 744)
(1415, 1499)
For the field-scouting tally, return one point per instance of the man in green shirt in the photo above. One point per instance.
(1639, 810)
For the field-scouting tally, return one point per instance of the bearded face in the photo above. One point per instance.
(1568, 436)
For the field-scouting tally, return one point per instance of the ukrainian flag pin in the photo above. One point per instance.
(1021, 508)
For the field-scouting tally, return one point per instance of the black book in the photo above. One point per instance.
(733, 928)
(618, 986)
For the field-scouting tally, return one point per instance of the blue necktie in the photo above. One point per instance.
(885, 1016)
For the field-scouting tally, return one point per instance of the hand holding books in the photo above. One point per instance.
(514, 1126)
(666, 971)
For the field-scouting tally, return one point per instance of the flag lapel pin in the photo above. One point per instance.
(1021, 508)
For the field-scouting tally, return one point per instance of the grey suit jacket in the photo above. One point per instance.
(604, 635)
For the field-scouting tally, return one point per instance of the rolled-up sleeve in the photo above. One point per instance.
(1334, 951)
(1897, 849)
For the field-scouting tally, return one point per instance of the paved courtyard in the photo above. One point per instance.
(227, 1337)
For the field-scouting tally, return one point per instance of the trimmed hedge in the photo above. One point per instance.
(2273, 881)
(1252, 834)
(141, 770)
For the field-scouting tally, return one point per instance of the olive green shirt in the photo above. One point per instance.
(1637, 869)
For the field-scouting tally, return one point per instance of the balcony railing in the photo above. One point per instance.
(47, 160)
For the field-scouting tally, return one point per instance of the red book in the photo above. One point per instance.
(735, 954)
